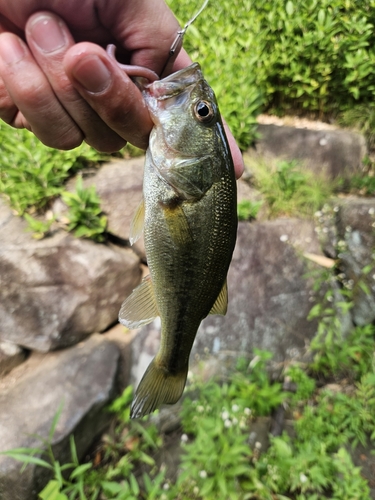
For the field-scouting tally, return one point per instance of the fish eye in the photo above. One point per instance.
(203, 111)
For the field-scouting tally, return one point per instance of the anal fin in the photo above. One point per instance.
(140, 307)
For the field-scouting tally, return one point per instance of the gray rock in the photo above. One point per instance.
(82, 379)
(269, 300)
(56, 291)
(11, 355)
(269, 294)
(355, 227)
(337, 153)
(326, 227)
(123, 338)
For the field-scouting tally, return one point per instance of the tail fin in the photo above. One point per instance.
(158, 386)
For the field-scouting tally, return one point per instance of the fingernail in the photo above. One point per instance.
(47, 32)
(92, 74)
(12, 51)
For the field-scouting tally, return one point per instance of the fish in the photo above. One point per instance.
(189, 218)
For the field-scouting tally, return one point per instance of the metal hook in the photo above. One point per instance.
(177, 43)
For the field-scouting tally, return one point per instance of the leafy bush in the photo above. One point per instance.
(85, 216)
(315, 56)
(248, 209)
(224, 42)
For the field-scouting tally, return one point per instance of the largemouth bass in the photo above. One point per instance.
(189, 215)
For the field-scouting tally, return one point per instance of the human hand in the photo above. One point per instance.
(66, 92)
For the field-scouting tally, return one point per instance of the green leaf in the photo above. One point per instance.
(52, 492)
(289, 8)
(80, 470)
(321, 16)
(27, 459)
(73, 449)
(134, 485)
(112, 487)
(55, 421)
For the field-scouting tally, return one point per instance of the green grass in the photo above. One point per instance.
(31, 174)
(311, 460)
(287, 188)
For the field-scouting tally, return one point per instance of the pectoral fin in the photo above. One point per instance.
(178, 225)
(136, 226)
(221, 304)
(140, 307)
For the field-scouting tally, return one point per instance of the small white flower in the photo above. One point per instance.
(225, 415)
(195, 490)
(203, 474)
(302, 478)
(165, 486)
(318, 214)
(227, 423)
(336, 208)
(243, 424)
(235, 421)
(235, 407)
(371, 211)
(284, 238)
(258, 445)
(200, 409)
(184, 438)
(247, 412)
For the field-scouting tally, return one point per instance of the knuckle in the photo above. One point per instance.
(58, 138)
(107, 145)
(8, 110)
(66, 143)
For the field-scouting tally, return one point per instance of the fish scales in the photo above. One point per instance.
(190, 222)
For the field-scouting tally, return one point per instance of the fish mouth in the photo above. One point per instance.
(175, 83)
